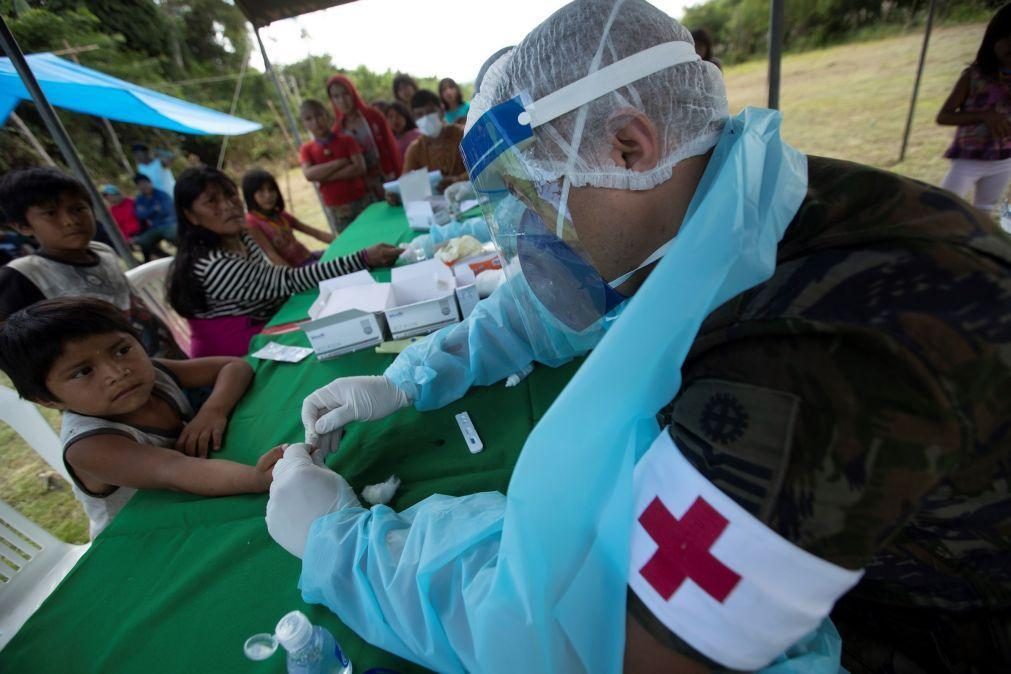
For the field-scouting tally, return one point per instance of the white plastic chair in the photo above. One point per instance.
(148, 281)
(28, 422)
(32, 564)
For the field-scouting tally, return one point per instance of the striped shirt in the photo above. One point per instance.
(237, 285)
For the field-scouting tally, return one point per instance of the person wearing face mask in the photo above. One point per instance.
(438, 147)
(794, 406)
(222, 282)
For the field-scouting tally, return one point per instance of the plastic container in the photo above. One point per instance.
(311, 649)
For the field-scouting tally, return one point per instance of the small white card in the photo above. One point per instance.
(282, 353)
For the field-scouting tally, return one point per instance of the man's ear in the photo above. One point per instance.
(635, 142)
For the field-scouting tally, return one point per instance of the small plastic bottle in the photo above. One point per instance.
(311, 648)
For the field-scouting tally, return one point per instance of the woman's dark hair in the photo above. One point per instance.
(185, 293)
(423, 97)
(999, 27)
(701, 36)
(401, 79)
(444, 84)
(402, 110)
(251, 184)
(33, 338)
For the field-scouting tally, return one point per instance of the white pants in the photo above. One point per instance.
(989, 177)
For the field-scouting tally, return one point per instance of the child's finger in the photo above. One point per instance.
(217, 434)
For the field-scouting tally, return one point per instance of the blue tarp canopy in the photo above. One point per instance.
(74, 87)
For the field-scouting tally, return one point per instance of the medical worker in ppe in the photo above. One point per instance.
(797, 396)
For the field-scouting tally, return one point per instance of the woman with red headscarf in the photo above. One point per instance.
(370, 128)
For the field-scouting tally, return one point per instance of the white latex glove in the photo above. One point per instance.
(300, 493)
(329, 409)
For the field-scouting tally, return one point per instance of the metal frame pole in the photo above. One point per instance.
(776, 31)
(59, 134)
(919, 75)
(296, 137)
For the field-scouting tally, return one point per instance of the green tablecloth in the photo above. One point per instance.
(177, 582)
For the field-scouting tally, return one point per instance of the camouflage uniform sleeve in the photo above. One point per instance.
(832, 440)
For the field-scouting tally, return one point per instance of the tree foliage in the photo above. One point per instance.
(740, 27)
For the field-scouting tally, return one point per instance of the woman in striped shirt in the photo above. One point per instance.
(222, 282)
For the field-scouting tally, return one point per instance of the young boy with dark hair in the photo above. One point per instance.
(127, 421)
(56, 210)
(335, 161)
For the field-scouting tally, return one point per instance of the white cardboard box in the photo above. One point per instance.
(467, 298)
(422, 300)
(344, 332)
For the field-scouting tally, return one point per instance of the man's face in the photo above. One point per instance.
(142, 156)
(145, 187)
(113, 199)
(317, 122)
(104, 375)
(426, 110)
(64, 225)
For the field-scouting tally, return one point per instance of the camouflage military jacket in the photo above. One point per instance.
(859, 402)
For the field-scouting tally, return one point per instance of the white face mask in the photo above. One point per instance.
(430, 125)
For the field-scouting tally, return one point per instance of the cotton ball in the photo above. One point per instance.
(382, 493)
(488, 280)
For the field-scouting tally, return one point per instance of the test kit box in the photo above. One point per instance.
(422, 299)
(344, 332)
(354, 312)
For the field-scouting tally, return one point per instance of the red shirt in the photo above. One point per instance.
(125, 217)
(336, 146)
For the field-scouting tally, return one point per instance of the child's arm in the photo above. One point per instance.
(321, 172)
(263, 242)
(230, 378)
(951, 115)
(120, 461)
(353, 170)
(325, 237)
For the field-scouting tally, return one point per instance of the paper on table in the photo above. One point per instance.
(414, 186)
(282, 353)
(372, 297)
(419, 215)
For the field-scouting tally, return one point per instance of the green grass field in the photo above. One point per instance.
(848, 102)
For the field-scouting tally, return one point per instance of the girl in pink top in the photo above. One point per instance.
(272, 227)
(403, 126)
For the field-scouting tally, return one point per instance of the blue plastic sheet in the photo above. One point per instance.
(536, 581)
(74, 87)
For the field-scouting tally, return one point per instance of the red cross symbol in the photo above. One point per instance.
(684, 550)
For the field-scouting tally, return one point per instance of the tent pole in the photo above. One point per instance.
(27, 133)
(296, 137)
(775, 50)
(231, 109)
(116, 145)
(59, 134)
(916, 84)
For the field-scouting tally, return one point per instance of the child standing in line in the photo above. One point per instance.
(56, 210)
(335, 161)
(127, 421)
(272, 227)
(980, 106)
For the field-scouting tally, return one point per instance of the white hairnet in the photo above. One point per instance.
(686, 102)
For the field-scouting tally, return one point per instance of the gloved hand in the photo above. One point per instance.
(300, 493)
(326, 411)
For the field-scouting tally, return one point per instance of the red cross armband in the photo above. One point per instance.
(731, 587)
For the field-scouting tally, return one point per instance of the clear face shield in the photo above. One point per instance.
(529, 218)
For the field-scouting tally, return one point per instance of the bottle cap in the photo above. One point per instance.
(293, 631)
